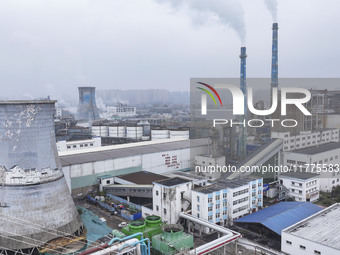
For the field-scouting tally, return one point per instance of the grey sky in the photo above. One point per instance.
(51, 47)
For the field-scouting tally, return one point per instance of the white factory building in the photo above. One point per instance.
(227, 200)
(64, 145)
(170, 197)
(83, 167)
(315, 235)
(306, 138)
(301, 186)
(323, 159)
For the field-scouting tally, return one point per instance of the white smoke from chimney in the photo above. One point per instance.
(272, 7)
(227, 12)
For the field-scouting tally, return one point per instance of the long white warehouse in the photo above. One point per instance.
(81, 168)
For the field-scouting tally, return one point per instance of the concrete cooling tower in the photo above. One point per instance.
(87, 108)
(35, 202)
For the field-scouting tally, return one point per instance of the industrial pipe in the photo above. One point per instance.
(228, 237)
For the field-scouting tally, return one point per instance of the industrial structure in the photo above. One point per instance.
(317, 234)
(242, 145)
(35, 202)
(275, 56)
(87, 108)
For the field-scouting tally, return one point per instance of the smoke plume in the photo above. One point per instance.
(272, 7)
(227, 12)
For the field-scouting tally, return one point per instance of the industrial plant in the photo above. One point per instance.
(134, 179)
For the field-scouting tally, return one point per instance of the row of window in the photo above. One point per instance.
(241, 192)
(242, 208)
(81, 145)
(302, 247)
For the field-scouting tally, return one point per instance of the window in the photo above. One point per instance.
(288, 242)
(91, 144)
(198, 199)
(157, 208)
(107, 181)
(81, 145)
(224, 195)
(74, 146)
(217, 197)
(198, 207)
(302, 247)
(217, 215)
(164, 211)
(86, 144)
(68, 147)
(209, 209)
(164, 195)
(217, 206)
(198, 215)
(210, 218)
(317, 252)
(157, 193)
(209, 199)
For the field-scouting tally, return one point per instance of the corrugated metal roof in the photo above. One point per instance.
(281, 215)
(132, 149)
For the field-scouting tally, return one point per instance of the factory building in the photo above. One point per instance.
(301, 186)
(306, 139)
(35, 203)
(227, 200)
(83, 167)
(323, 159)
(315, 235)
(170, 197)
(64, 145)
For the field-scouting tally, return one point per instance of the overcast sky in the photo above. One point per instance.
(52, 47)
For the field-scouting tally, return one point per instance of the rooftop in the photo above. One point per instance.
(72, 157)
(322, 227)
(282, 215)
(44, 101)
(319, 149)
(299, 175)
(172, 182)
(225, 184)
(143, 177)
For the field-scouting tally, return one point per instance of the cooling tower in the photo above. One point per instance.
(242, 146)
(87, 108)
(36, 205)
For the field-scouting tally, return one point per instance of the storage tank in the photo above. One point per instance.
(33, 189)
(102, 131)
(117, 131)
(134, 132)
(158, 134)
(179, 134)
(146, 127)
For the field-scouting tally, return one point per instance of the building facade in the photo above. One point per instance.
(323, 159)
(63, 145)
(227, 200)
(315, 235)
(170, 197)
(302, 187)
(306, 139)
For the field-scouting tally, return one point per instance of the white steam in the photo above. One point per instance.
(272, 7)
(228, 12)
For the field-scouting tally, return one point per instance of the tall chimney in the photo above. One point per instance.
(87, 108)
(275, 67)
(242, 148)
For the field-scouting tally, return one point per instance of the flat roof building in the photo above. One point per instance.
(317, 234)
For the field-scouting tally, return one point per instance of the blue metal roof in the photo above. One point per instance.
(281, 215)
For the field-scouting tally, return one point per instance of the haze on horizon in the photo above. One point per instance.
(52, 47)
